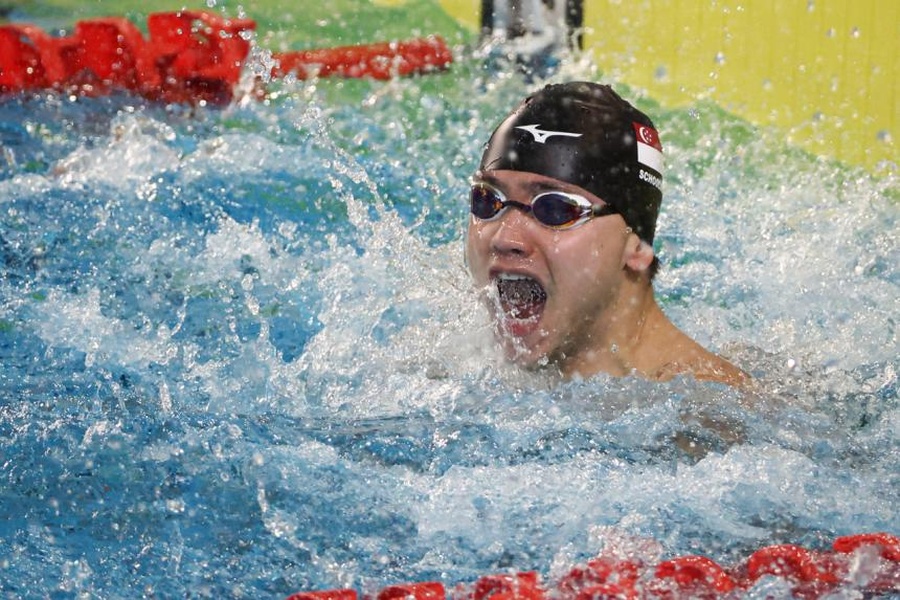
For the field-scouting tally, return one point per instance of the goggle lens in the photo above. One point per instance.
(557, 210)
(486, 202)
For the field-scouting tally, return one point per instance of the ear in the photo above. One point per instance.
(638, 254)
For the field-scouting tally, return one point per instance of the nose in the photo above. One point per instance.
(512, 233)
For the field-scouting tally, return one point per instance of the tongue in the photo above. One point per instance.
(521, 298)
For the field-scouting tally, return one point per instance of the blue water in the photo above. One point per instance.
(240, 355)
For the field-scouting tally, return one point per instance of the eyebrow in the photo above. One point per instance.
(532, 187)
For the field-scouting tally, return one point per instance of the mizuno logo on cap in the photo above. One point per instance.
(540, 135)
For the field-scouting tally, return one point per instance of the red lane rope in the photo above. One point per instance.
(379, 61)
(868, 562)
(190, 57)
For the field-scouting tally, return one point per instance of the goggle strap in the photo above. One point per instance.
(602, 211)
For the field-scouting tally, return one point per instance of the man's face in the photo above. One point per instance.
(551, 293)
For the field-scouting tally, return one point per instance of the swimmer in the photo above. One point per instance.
(560, 240)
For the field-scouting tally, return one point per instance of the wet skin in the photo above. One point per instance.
(599, 314)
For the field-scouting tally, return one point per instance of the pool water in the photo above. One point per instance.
(240, 355)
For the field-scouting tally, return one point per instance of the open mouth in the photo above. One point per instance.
(521, 297)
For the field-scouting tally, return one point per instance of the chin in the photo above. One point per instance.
(518, 352)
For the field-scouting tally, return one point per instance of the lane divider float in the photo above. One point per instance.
(190, 56)
(868, 563)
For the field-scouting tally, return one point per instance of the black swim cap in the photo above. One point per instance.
(585, 134)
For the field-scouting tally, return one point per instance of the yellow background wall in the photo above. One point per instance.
(824, 72)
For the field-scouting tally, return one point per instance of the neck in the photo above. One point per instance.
(615, 344)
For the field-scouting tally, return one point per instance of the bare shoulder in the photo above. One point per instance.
(692, 359)
(712, 367)
(671, 352)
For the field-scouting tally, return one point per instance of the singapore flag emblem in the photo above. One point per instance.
(649, 149)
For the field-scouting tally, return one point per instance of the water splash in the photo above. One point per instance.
(241, 354)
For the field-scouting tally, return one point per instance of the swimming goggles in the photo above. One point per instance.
(557, 210)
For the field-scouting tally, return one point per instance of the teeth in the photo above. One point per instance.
(512, 277)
